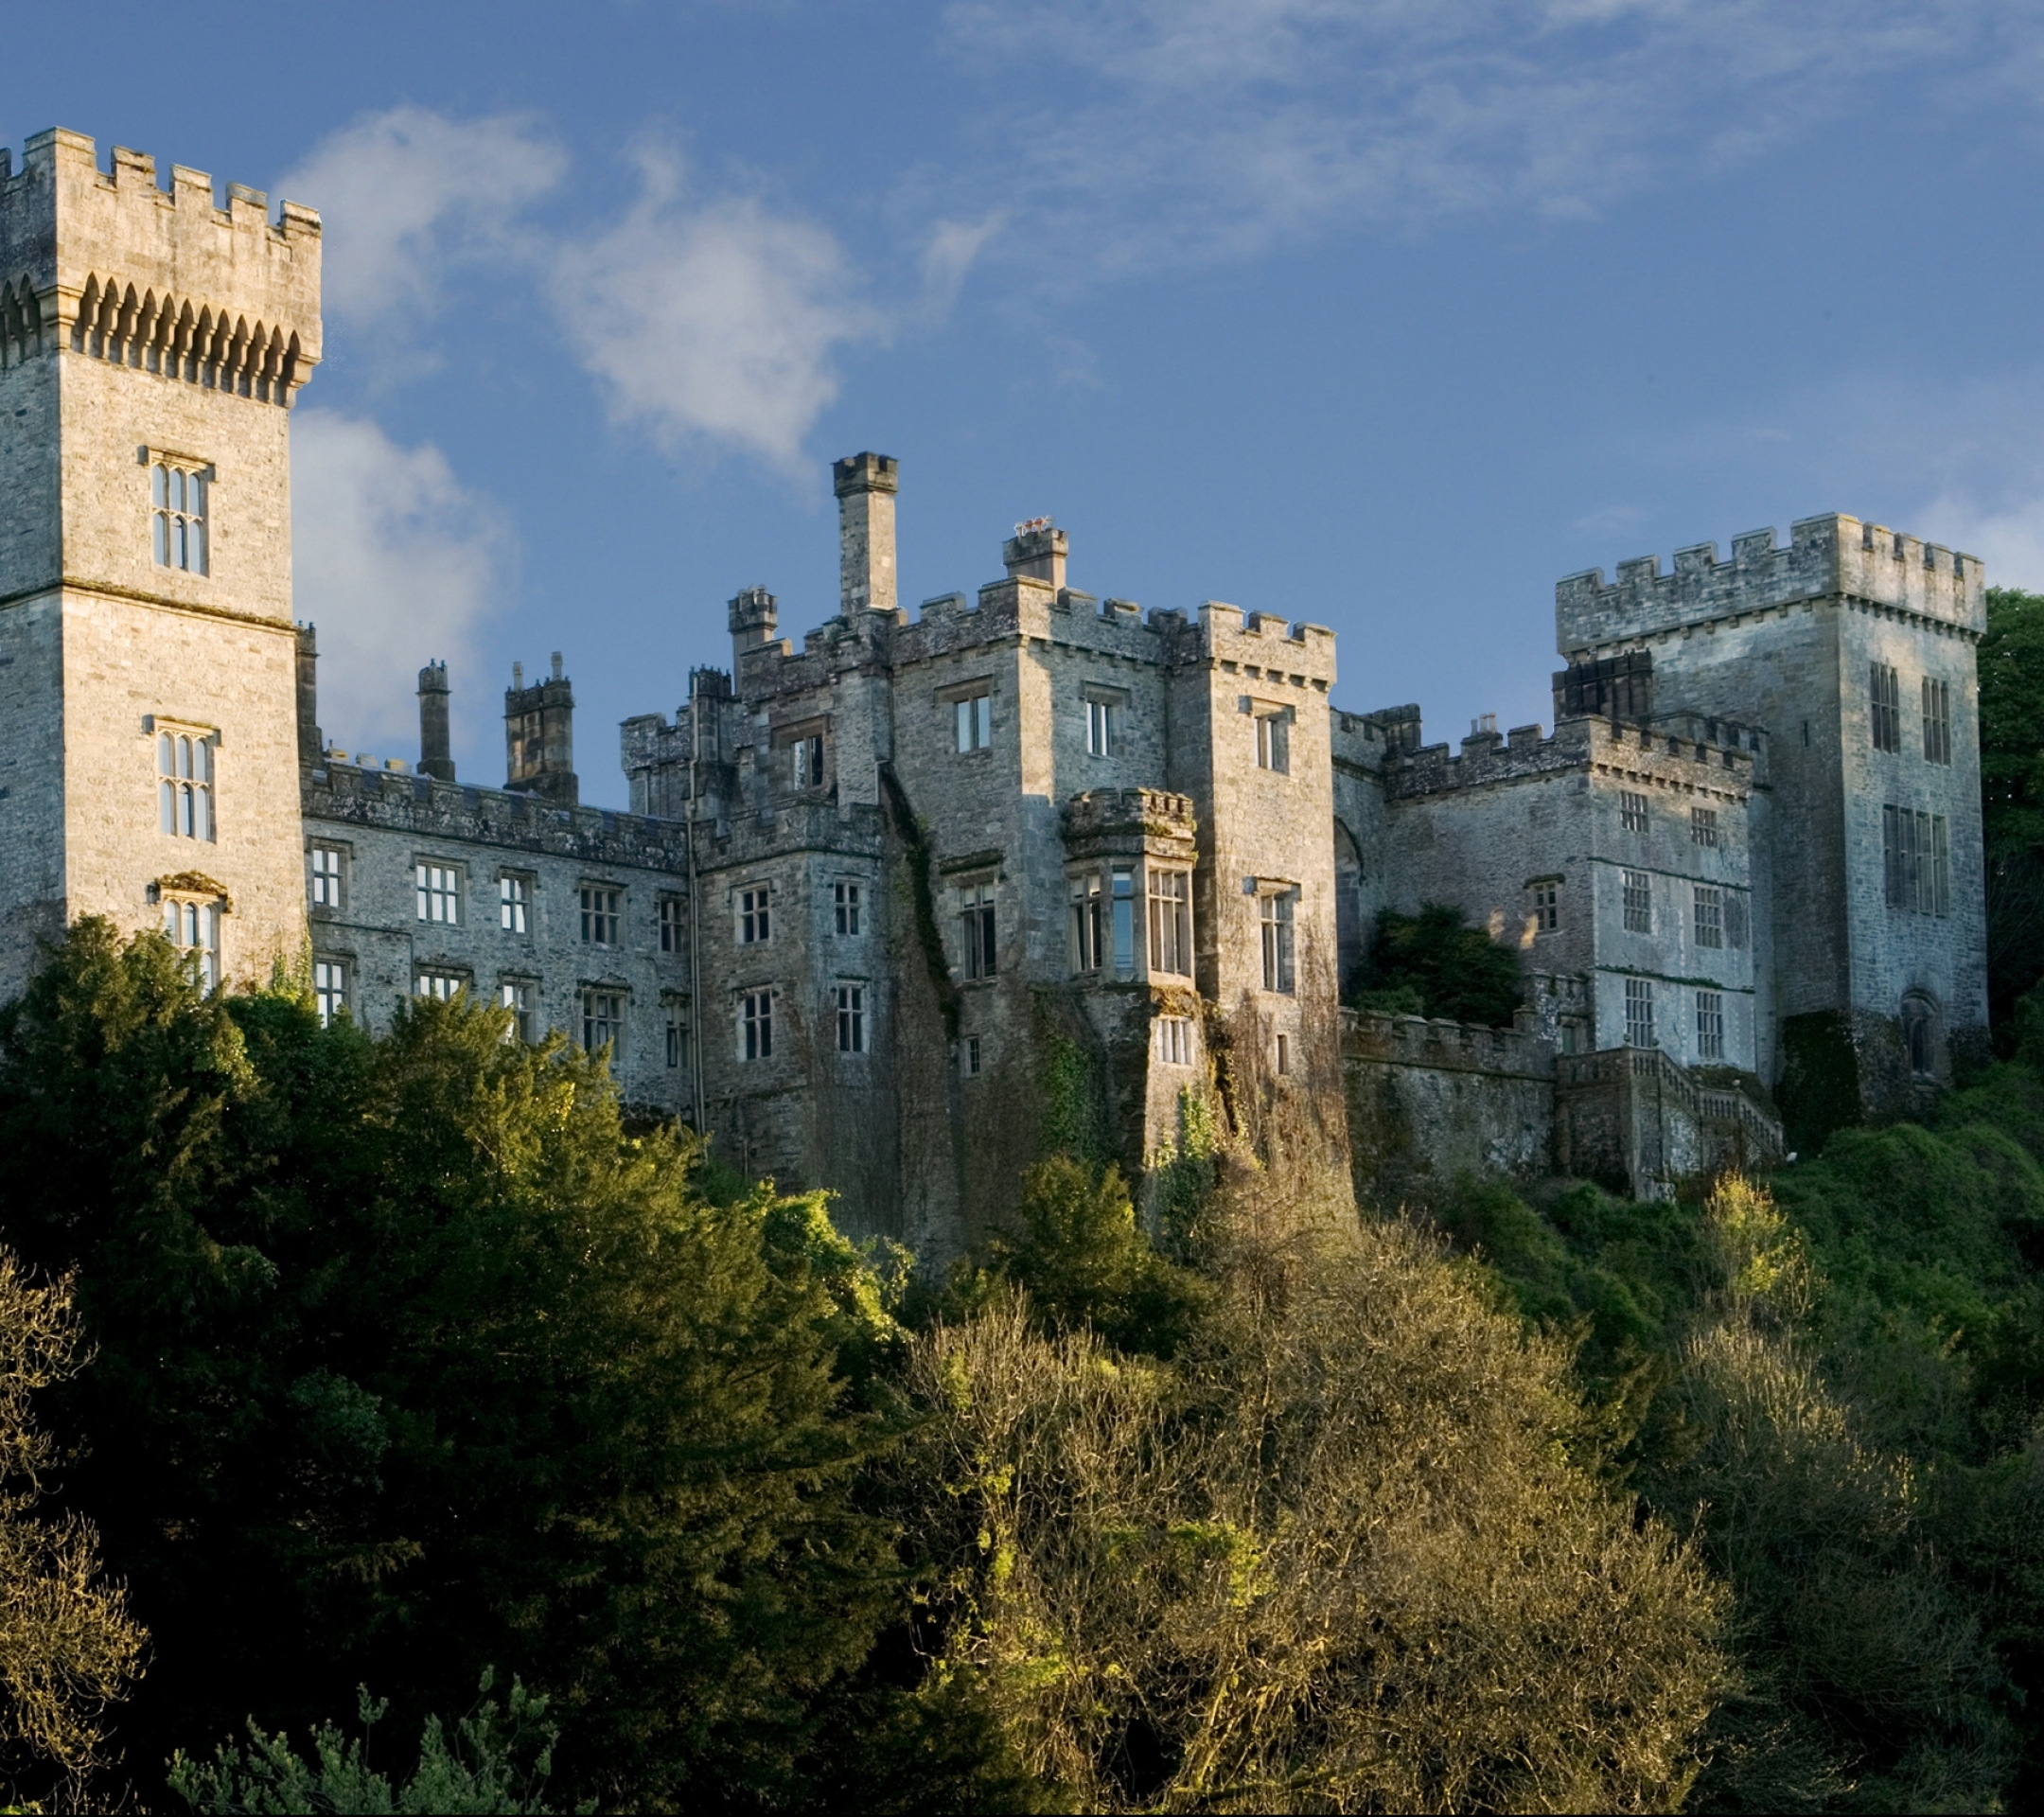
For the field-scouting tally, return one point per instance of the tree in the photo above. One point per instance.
(411, 1360)
(1431, 964)
(2012, 793)
(68, 1648)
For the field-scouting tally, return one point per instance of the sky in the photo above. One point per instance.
(1382, 314)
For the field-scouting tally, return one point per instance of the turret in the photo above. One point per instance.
(540, 737)
(866, 486)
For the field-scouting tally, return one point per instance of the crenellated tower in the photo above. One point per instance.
(151, 347)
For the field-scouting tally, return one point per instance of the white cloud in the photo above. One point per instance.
(405, 194)
(396, 561)
(1184, 130)
(711, 320)
(2009, 539)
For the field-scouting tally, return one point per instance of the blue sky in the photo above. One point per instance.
(1381, 314)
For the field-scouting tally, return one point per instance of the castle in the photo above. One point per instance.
(891, 910)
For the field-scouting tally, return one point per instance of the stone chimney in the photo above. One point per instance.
(756, 614)
(540, 737)
(866, 486)
(1037, 552)
(436, 751)
(312, 747)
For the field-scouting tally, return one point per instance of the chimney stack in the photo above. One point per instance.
(312, 747)
(436, 751)
(866, 486)
(1037, 552)
(540, 737)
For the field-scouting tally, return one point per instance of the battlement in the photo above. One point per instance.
(1441, 1046)
(1144, 813)
(1826, 556)
(1488, 757)
(113, 266)
(1262, 642)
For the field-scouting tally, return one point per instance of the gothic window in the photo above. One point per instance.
(976, 921)
(185, 783)
(1636, 890)
(520, 995)
(603, 1021)
(1174, 1040)
(514, 902)
(1884, 701)
(1709, 915)
(1171, 922)
(437, 890)
(1639, 1012)
(194, 929)
(327, 875)
(1124, 918)
(1919, 1034)
(178, 512)
(755, 1025)
(1087, 923)
(673, 933)
(443, 987)
(601, 914)
(1273, 739)
(850, 1019)
(1276, 924)
(1546, 904)
(1632, 811)
(974, 720)
(1937, 721)
(329, 989)
(1703, 826)
(1710, 1025)
(848, 907)
(755, 925)
(1917, 850)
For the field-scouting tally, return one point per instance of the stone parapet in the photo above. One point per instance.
(1444, 1046)
(1826, 556)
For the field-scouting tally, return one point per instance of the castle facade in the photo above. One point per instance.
(891, 909)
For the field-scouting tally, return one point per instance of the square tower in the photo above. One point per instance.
(151, 347)
(1855, 647)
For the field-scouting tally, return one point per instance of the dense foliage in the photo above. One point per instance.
(1433, 964)
(2012, 795)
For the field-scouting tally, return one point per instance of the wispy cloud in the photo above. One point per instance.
(1184, 130)
(407, 195)
(711, 320)
(395, 561)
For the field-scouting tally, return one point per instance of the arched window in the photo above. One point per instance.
(1919, 1034)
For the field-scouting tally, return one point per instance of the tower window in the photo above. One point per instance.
(1703, 826)
(1171, 922)
(1631, 810)
(1636, 891)
(1124, 918)
(1174, 1040)
(1709, 915)
(1884, 698)
(1276, 924)
(1274, 740)
(603, 1021)
(974, 717)
(672, 934)
(600, 915)
(193, 928)
(184, 785)
(850, 1019)
(808, 761)
(437, 888)
(328, 872)
(1710, 1025)
(520, 995)
(514, 902)
(1937, 721)
(329, 989)
(976, 916)
(755, 923)
(1735, 919)
(848, 907)
(755, 1025)
(178, 501)
(1919, 1035)
(1917, 851)
(1639, 1012)
(1547, 905)
(677, 1038)
(1086, 923)
(1102, 732)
